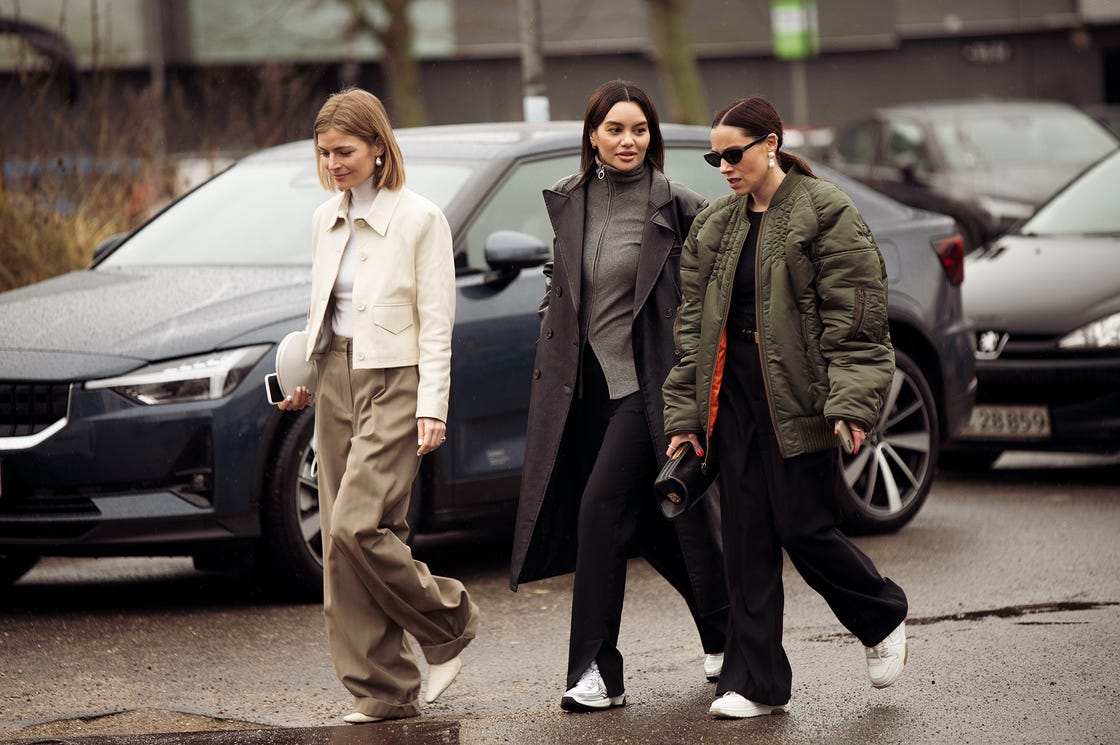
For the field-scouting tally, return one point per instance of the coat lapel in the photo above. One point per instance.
(657, 239)
(566, 212)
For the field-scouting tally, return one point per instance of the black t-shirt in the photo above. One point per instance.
(741, 313)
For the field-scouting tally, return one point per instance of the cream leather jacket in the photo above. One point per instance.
(404, 289)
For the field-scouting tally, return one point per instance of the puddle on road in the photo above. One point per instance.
(1012, 611)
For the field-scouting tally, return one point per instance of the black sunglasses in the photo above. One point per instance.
(732, 154)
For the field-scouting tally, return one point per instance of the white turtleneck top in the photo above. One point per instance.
(361, 202)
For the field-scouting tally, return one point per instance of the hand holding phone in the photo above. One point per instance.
(844, 432)
(272, 388)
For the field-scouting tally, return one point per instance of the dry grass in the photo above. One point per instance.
(78, 175)
(51, 226)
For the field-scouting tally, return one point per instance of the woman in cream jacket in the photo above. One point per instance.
(379, 325)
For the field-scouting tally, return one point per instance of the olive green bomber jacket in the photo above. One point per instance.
(821, 304)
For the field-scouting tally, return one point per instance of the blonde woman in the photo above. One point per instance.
(379, 325)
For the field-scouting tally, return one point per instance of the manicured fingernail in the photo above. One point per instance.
(420, 442)
(700, 453)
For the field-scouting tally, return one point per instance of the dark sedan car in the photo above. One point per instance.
(988, 163)
(1046, 303)
(133, 417)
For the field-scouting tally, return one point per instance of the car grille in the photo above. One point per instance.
(1046, 381)
(29, 408)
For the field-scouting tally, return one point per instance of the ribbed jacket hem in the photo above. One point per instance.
(813, 433)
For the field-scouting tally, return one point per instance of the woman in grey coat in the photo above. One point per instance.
(595, 438)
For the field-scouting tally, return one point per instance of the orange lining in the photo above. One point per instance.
(717, 381)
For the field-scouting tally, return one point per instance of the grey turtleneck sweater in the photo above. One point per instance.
(612, 239)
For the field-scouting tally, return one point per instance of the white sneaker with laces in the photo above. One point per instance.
(887, 658)
(590, 693)
(731, 705)
(713, 666)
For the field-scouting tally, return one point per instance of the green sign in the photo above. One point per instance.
(794, 23)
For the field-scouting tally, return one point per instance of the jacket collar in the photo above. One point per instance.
(793, 176)
(380, 213)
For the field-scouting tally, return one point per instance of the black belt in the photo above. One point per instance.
(749, 335)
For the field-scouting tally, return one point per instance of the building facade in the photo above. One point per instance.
(221, 76)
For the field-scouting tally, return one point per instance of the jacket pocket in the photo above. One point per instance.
(869, 315)
(394, 336)
(393, 318)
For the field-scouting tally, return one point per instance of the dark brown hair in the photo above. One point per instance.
(757, 117)
(599, 105)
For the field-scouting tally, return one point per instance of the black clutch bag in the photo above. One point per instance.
(682, 482)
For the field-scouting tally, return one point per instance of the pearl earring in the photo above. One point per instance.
(772, 162)
(377, 161)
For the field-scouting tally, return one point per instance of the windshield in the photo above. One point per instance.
(1022, 139)
(1086, 207)
(257, 213)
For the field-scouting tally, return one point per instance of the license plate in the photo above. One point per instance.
(992, 422)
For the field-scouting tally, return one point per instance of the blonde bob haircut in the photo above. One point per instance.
(359, 113)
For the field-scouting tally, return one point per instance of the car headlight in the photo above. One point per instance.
(203, 377)
(1005, 209)
(1102, 334)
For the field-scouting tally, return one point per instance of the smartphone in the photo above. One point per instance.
(845, 433)
(272, 388)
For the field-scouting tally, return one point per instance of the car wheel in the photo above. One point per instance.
(884, 485)
(969, 460)
(291, 538)
(14, 567)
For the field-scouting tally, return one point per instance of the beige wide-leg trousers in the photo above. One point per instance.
(374, 591)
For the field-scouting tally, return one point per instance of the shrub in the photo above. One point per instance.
(51, 220)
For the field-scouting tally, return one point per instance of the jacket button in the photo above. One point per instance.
(559, 290)
(361, 355)
(361, 307)
(361, 257)
(548, 333)
(536, 374)
(567, 390)
(668, 312)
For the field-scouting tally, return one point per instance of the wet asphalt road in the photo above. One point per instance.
(1014, 585)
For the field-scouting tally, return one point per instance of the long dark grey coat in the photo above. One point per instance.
(544, 543)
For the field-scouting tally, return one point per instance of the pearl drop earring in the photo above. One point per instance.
(377, 161)
(772, 161)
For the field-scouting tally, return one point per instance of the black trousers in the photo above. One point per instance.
(617, 515)
(770, 503)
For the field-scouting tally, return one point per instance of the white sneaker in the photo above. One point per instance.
(887, 658)
(713, 666)
(733, 706)
(359, 718)
(590, 693)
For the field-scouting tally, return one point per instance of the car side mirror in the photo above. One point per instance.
(107, 245)
(510, 251)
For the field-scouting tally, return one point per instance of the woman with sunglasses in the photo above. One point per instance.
(785, 346)
(595, 434)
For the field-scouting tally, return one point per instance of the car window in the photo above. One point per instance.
(905, 143)
(1027, 139)
(685, 165)
(518, 204)
(257, 213)
(856, 146)
(1085, 207)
